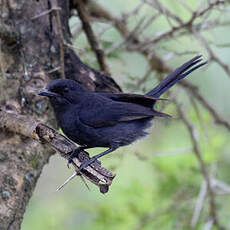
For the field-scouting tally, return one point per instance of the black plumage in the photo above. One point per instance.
(93, 119)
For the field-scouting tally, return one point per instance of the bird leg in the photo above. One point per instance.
(88, 162)
(75, 154)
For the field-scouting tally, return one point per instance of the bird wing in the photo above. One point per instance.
(106, 112)
(143, 100)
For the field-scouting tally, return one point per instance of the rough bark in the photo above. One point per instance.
(29, 58)
(44, 134)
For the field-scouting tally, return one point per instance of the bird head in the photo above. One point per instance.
(62, 91)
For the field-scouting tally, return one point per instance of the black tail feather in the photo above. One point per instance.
(176, 76)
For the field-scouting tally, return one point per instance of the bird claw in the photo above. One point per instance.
(86, 163)
(72, 155)
(70, 160)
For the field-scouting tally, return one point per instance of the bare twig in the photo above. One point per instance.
(83, 15)
(154, 60)
(224, 187)
(212, 55)
(185, 5)
(204, 170)
(186, 25)
(158, 6)
(198, 114)
(140, 40)
(67, 181)
(208, 225)
(70, 178)
(195, 92)
(34, 129)
(199, 204)
(45, 13)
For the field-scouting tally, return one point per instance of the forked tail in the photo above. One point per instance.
(176, 76)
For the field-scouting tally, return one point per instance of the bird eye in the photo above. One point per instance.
(66, 90)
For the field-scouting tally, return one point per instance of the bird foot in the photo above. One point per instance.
(86, 163)
(73, 155)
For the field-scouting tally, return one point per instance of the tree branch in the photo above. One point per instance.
(195, 92)
(34, 129)
(60, 35)
(204, 170)
(84, 17)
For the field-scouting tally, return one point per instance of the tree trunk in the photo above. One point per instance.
(32, 44)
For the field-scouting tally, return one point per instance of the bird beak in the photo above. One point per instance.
(47, 93)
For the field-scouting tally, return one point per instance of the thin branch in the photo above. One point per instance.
(198, 114)
(158, 6)
(199, 204)
(211, 53)
(34, 129)
(204, 170)
(83, 15)
(210, 6)
(157, 63)
(70, 178)
(195, 92)
(224, 187)
(186, 25)
(142, 80)
(45, 13)
(208, 225)
(185, 5)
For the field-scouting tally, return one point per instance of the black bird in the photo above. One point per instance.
(94, 119)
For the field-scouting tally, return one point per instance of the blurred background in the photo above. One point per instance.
(177, 177)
